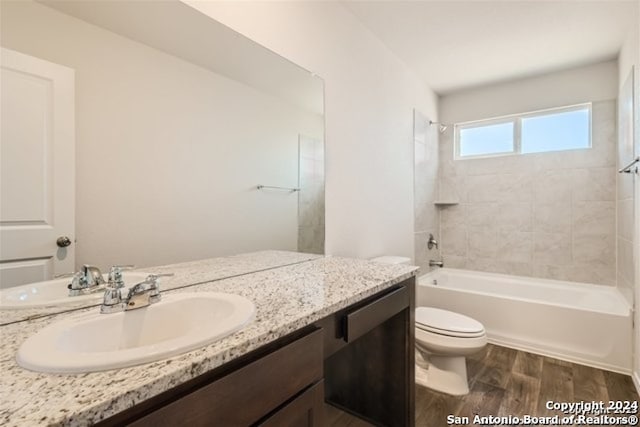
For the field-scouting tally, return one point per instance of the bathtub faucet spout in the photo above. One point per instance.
(433, 263)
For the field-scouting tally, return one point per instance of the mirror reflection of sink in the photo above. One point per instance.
(55, 292)
(90, 342)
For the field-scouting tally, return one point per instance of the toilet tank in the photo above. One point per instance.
(389, 259)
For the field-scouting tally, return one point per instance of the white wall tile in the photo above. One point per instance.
(484, 188)
(625, 183)
(599, 248)
(515, 246)
(451, 261)
(594, 218)
(594, 184)
(453, 241)
(515, 216)
(514, 164)
(625, 263)
(483, 215)
(592, 272)
(550, 215)
(483, 243)
(545, 271)
(426, 214)
(453, 216)
(552, 248)
(516, 187)
(553, 186)
(453, 188)
(552, 218)
(625, 219)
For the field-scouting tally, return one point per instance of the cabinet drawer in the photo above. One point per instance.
(245, 396)
(365, 318)
(306, 410)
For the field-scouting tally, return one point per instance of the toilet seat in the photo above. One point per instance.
(443, 322)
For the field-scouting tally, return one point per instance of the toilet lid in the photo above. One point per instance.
(445, 322)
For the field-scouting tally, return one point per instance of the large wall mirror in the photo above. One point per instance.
(150, 134)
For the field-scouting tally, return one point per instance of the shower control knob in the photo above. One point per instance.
(63, 241)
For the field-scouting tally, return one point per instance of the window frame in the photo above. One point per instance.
(516, 119)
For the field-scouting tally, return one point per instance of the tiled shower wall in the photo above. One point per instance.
(425, 190)
(311, 195)
(549, 215)
(625, 193)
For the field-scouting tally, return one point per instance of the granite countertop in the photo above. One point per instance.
(185, 273)
(286, 298)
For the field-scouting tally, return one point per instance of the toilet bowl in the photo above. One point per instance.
(443, 340)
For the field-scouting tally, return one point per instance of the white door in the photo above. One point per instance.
(37, 169)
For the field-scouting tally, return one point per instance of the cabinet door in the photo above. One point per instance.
(307, 410)
(247, 395)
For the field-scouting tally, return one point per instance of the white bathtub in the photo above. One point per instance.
(578, 322)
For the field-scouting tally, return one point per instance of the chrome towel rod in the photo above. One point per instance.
(260, 187)
(627, 169)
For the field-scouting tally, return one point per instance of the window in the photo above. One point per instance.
(486, 139)
(567, 128)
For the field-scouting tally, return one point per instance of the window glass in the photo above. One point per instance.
(486, 139)
(558, 129)
(567, 130)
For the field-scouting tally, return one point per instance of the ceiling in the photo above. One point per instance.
(454, 45)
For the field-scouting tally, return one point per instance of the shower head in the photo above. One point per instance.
(441, 126)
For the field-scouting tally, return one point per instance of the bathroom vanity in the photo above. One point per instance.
(327, 331)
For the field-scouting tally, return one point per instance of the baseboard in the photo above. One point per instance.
(506, 342)
(635, 376)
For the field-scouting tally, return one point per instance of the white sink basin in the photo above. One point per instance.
(55, 292)
(97, 342)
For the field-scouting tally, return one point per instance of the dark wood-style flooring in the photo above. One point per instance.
(506, 382)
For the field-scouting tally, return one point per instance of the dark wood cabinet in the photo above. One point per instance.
(283, 378)
(306, 410)
(359, 359)
(369, 366)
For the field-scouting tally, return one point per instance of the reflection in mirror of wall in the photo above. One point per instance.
(177, 122)
(311, 200)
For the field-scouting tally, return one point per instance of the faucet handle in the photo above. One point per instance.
(154, 288)
(154, 291)
(115, 275)
(79, 281)
(154, 294)
(432, 242)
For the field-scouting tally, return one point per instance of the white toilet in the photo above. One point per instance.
(443, 340)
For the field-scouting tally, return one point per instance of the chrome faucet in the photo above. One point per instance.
(140, 295)
(88, 280)
(433, 263)
(432, 242)
(114, 279)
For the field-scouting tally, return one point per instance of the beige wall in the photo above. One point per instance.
(596, 82)
(369, 98)
(168, 153)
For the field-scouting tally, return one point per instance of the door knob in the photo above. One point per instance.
(63, 241)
